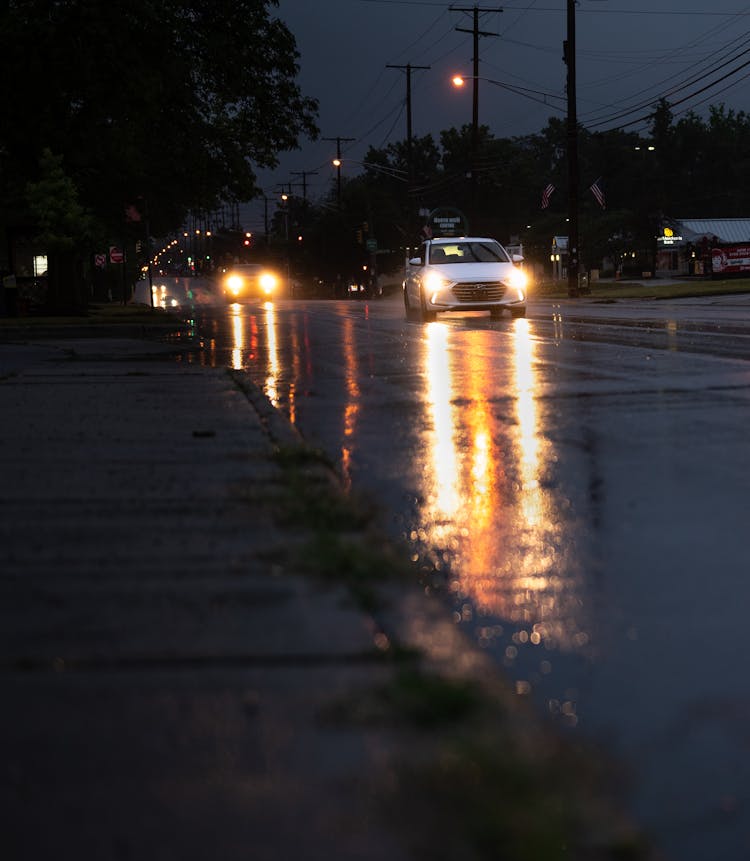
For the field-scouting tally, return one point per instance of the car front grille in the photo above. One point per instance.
(479, 291)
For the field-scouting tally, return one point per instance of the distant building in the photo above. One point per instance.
(703, 246)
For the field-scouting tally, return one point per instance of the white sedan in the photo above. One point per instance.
(464, 274)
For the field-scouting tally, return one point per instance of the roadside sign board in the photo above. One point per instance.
(448, 221)
(116, 255)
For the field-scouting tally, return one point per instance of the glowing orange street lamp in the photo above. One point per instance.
(458, 81)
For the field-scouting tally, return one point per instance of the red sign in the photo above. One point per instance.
(731, 258)
(116, 255)
(100, 260)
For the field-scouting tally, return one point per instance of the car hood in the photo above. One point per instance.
(471, 271)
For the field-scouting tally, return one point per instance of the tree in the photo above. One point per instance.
(64, 225)
(171, 101)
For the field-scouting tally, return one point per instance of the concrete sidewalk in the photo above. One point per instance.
(172, 685)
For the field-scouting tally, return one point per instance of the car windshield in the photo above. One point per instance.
(468, 252)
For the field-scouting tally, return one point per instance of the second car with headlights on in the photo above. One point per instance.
(464, 274)
(249, 281)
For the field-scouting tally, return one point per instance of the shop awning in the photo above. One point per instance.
(726, 230)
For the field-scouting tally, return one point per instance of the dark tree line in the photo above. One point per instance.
(170, 106)
(683, 168)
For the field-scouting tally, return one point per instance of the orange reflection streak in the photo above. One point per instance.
(351, 410)
(483, 504)
(545, 588)
(272, 359)
(444, 495)
(528, 435)
(238, 336)
(296, 370)
(487, 506)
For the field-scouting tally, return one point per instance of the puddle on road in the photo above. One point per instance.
(493, 524)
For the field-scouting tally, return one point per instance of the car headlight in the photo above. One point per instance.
(268, 282)
(433, 284)
(519, 281)
(234, 283)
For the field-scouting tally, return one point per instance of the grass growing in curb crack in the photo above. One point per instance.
(504, 804)
(343, 545)
(475, 782)
(315, 500)
(412, 697)
(480, 781)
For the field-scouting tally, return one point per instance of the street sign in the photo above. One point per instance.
(448, 221)
(372, 244)
(100, 261)
(116, 255)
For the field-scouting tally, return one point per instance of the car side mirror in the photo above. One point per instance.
(518, 258)
(415, 261)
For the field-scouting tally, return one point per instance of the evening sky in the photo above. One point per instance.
(628, 55)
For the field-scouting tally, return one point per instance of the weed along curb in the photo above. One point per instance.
(474, 774)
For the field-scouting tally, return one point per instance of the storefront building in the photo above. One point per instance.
(704, 247)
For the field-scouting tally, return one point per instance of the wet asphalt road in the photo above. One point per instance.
(577, 485)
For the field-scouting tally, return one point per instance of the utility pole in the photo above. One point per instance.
(569, 56)
(286, 197)
(476, 33)
(408, 68)
(338, 164)
(304, 174)
(409, 150)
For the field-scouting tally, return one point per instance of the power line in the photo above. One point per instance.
(677, 89)
(556, 9)
(725, 51)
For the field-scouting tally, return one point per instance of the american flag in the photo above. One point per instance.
(546, 194)
(598, 192)
(132, 213)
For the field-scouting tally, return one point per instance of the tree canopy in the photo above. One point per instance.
(170, 102)
(681, 168)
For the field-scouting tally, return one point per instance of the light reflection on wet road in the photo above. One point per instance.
(578, 490)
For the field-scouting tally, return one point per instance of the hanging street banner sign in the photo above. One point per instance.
(448, 221)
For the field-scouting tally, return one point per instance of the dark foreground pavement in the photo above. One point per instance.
(179, 683)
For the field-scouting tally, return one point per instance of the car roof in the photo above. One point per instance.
(454, 239)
